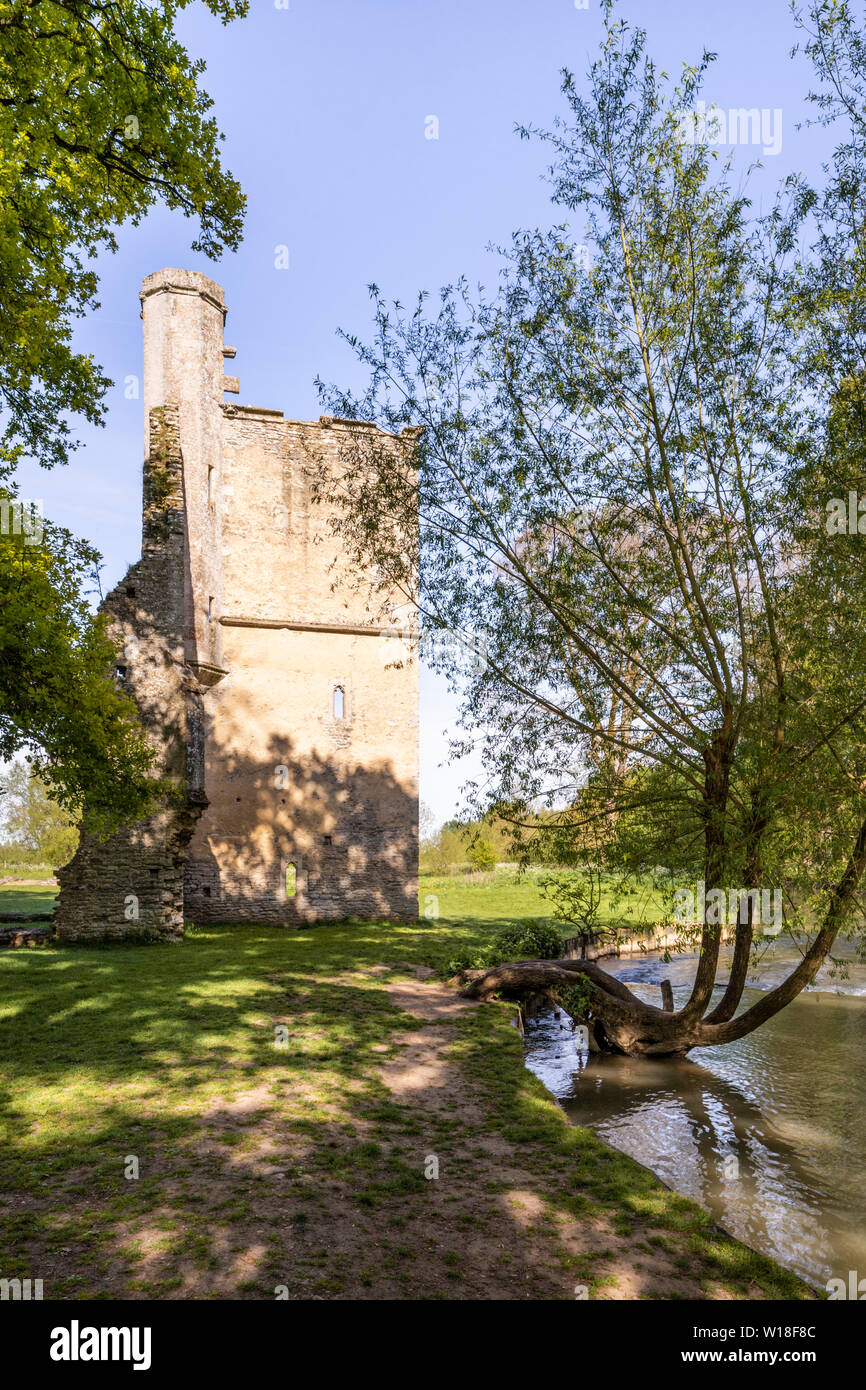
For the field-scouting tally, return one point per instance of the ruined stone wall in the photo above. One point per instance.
(132, 883)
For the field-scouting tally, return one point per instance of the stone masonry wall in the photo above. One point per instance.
(289, 782)
(132, 883)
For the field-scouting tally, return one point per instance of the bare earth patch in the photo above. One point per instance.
(517, 1224)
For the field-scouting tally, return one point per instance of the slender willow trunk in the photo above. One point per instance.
(733, 993)
(717, 762)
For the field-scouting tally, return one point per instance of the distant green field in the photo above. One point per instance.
(504, 895)
(485, 897)
(43, 871)
(27, 897)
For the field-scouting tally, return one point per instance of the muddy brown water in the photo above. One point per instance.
(768, 1133)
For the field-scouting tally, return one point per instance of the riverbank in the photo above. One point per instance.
(313, 1112)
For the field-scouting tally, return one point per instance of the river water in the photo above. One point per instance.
(768, 1133)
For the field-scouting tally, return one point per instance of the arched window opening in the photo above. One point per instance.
(339, 702)
(291, 880)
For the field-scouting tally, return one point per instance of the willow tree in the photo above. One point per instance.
(602, 481)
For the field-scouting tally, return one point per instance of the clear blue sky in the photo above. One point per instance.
(324, 107)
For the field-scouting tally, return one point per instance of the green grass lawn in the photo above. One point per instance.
(302, 1167)
(27, 897)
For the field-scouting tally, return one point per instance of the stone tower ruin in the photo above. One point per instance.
(276, 686)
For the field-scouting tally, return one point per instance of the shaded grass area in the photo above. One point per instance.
(280, 1160)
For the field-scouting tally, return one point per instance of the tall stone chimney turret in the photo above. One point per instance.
(184, 313)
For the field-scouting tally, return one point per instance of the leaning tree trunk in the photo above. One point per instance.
(621, 1022)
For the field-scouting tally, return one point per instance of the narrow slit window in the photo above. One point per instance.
(291, 880)
(339, 702)
(210, 480)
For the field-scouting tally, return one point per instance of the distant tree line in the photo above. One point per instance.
(34, 829)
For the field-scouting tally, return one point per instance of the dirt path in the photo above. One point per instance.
(521, 1245)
